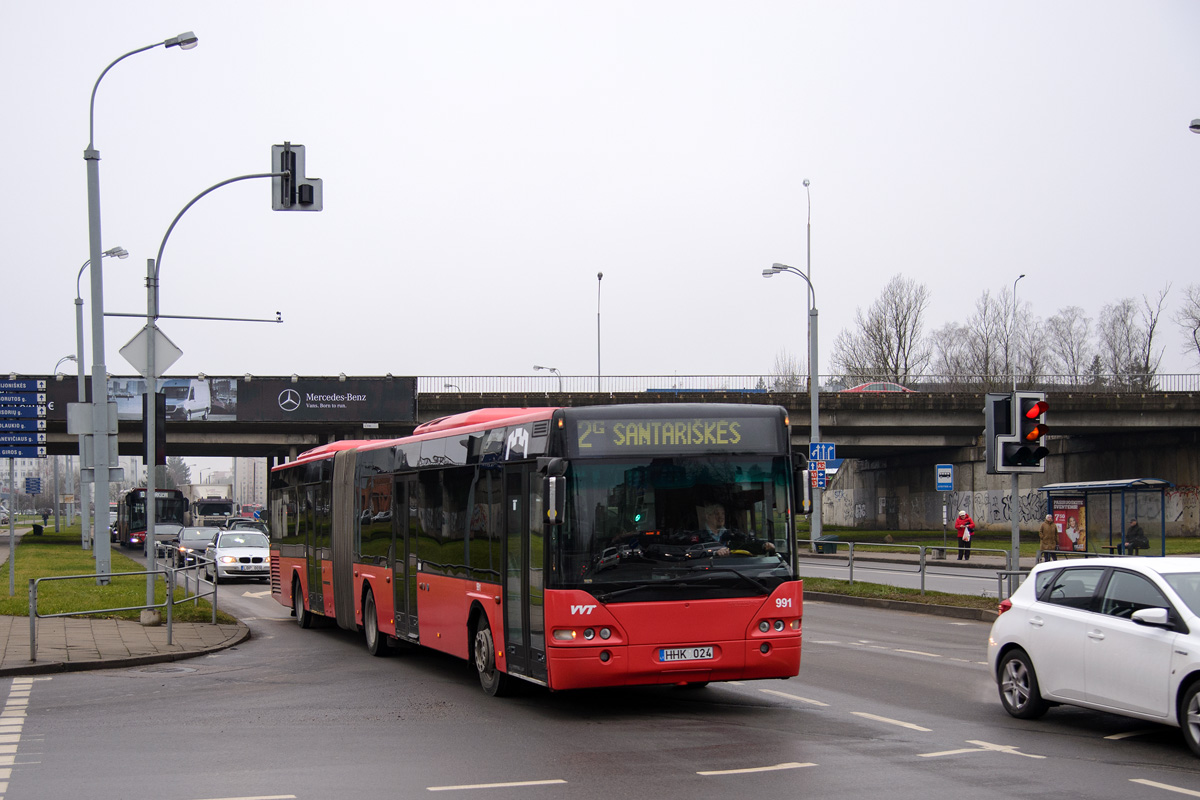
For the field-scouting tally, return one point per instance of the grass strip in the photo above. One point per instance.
(54, 554)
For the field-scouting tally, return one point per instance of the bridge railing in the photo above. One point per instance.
(763, 384)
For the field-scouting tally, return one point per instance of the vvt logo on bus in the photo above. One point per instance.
(583, 609)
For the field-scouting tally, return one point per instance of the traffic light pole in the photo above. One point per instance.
(1014, 580)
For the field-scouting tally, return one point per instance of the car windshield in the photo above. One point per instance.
(196, 536)
(675, 527)
(1187, 586)
(243, 539)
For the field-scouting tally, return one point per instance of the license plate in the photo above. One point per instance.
(685, 653)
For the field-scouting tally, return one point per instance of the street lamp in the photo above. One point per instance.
(814, 383)
(1195, 126)
(1013, 366)
(556, 372)
(451, 386)
(100, 426)
(85, 514)
(57, 376)
(599, 277)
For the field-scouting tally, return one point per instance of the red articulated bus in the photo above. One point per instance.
(568, 547)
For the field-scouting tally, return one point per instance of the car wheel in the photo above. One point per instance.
(1019, 691)
(376, 641)
(494, 682)
(1189, 717)
(303, 618)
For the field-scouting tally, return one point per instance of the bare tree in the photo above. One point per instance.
(788, 373)
(888, 343)
(1188, 318)
(1068, 336)
(1127, 339)
(1032, 350)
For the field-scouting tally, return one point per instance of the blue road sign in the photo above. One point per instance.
(33, 485)
(821, 451)
(22, 438)
(945, 477)
(22, 412)
(32, 385)
(22, 398)
(22, 452)
(22, 424)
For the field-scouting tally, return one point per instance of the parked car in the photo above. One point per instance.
(191, 544)
(879, 386)
(238, 554)
(1120, 635)
(244, 524)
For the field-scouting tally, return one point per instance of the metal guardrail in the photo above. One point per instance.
(762, 384)
(169, 574)
(921, 565)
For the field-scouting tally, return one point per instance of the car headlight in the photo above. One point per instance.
(227, 560)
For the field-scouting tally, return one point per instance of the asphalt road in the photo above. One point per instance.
(887, 704)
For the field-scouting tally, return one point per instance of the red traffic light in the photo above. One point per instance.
(1036, 410)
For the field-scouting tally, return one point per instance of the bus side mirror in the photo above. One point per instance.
(801, 503)
(555, 491)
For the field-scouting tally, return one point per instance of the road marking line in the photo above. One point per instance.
(890, 721)
(810, 701)
(259, 797)
(919, 653)
(982, 747)
(789, 765)
(1166, 786)
(1129, 734)
(492, 785)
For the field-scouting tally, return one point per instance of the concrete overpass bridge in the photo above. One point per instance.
(942, 417)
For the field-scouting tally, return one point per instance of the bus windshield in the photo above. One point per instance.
(675, 527)
(168, 509)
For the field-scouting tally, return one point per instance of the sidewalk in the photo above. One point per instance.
(68, 644)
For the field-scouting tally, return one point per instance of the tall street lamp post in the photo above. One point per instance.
(814, 382)
(1016, 488)
(100, 418)
(599, 277)
(58, 377)
(85, 514)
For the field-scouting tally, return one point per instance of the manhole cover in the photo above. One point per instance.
(163, 670)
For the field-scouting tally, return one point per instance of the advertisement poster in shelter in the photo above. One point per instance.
(1070, 517)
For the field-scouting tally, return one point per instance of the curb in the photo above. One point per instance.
(957, 612)
(55, 667)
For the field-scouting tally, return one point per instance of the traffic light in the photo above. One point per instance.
(997, 412)
(293, 191)
(160, 429)
(1016, 433)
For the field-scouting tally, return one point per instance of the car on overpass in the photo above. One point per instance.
(879, 386)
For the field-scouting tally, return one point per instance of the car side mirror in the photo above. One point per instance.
(1153, 617)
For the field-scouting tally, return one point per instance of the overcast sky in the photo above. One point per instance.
(482, 161)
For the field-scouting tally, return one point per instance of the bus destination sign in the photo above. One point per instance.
(604, 437)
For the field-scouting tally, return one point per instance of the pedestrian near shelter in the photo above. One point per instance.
(1085, 511)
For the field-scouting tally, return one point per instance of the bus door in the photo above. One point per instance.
(317, 542)
(404, 559)
(524, 609)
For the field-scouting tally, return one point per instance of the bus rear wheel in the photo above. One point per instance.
(303, 618)
(494, 682)
(377, 644)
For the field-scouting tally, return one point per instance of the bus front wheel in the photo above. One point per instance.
(494, 682)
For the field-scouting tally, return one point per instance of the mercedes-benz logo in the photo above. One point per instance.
(289, 399)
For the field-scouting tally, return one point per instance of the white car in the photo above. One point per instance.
(238, 554)
(1113, 634)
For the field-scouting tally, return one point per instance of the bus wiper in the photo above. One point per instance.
(681, 582)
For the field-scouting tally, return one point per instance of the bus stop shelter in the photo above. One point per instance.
(1104, 509)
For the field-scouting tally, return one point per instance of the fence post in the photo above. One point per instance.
(170, 600)
(33, 619)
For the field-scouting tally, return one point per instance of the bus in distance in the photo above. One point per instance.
(170, 510)
(567, 547)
